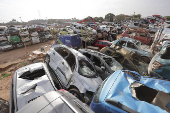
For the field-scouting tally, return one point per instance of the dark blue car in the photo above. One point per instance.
(70, 40)
(127, 91)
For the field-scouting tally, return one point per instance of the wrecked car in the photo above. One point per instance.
(5, 45)
(102, 43)
(128, 59)
(127, 91)
(104, 64)
(65, 31)
(160, 63)
(135, 46)
(27, 84)
(59, 101)
(75, 71)
(140, 35)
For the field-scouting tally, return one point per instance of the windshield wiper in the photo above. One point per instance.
(120, 106)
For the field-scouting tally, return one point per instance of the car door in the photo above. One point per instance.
(141, 36)
(61, 68)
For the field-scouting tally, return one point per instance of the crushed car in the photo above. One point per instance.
(140, 35)
(160, 63)
(28, 83)
(5, 45)
(74, 71)
(104, 64)
(102, 43)
(59, 101)
(135, 46)
(127, 91)
(128, 59)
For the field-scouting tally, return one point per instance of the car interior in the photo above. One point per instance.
(152, 96)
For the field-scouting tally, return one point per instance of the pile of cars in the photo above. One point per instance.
(13, 37)
(123, 76)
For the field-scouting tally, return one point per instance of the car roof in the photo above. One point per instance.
(55, 101)
(118, 84)
(95, 53)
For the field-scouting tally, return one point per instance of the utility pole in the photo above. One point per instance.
(39, 14)
(20, 19)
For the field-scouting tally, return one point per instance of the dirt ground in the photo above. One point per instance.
(14, 59)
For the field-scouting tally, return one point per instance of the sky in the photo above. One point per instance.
(67, 9)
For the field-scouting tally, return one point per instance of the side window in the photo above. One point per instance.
(121, 43)
(87, 55)
(128, 65)
(100, 43)
(104, 43)
(142, 34)
(131, 45)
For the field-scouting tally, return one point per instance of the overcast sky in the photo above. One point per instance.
(60, 9)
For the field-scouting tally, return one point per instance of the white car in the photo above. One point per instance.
(105, 28)
(75, 71)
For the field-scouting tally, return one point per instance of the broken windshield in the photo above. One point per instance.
(113, 64)
(86, 69)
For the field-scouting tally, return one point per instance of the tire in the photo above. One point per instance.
(75, 92)
(146, 59)
(47, 59)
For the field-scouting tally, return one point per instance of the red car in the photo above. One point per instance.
(140, 35)
(102, 43)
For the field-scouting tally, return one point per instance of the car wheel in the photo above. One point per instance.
(47, 59)
(75, 92)
(146, 60)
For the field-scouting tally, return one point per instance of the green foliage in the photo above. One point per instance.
(167, 17)
(109, 17)
(120, 17)
(136, 17)
(98, 19)
(4, 75)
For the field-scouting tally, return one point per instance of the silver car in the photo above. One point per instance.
(135, 46)
(74, 70)
(28, 83)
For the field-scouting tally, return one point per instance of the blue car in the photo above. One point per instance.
(127, 91)
(160, 63)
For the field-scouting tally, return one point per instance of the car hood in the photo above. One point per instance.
(90, 84)
(121, 91)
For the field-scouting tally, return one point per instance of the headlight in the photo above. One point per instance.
(156, 65)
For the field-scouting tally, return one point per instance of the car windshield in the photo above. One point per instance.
(86, 69)
(141, 67)
(113, 64)
(4, 43)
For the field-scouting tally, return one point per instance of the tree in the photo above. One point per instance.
(109, 17)
(136, 17)
(167, 17)
(98, 19)
(120, 18)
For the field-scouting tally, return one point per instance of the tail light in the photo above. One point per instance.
(156, 65)
(71, 45)
(12, 76)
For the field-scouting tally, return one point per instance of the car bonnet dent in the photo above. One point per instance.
(27, 90)
(122, 91)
